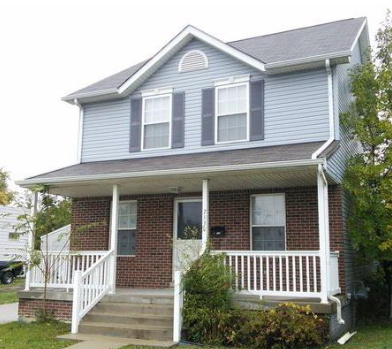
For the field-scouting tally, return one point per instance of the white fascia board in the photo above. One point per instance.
(197, 170)
(310, 59)
(358, 34)
(190, 31)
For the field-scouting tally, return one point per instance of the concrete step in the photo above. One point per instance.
(129, 319)
(161, 333)
(134, 308)
(138, 298)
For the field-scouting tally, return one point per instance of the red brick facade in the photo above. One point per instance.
(152, 265)
(62, 310)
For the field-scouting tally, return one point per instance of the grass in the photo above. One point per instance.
(8, 293)
(16, 335)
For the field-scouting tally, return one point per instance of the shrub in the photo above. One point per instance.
(288, 326)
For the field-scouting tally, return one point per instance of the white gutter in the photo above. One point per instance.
(331, 112)
(182, 171)
(80, 132)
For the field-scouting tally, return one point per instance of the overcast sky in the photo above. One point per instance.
(52, 48)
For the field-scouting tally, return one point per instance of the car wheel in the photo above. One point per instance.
(7, 278)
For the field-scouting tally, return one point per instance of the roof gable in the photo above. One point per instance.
(267, 53)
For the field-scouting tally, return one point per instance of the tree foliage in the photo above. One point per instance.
(6, 194)
(368, 177)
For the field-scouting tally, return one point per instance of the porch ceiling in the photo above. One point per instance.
(187, 183)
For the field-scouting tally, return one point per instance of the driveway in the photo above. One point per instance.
(8, 313)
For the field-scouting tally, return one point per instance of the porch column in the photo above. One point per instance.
(30, 242)
(323, 215)
(205, 215)
(113, 237)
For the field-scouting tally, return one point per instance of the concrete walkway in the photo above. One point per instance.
(8, 313)
(89, 341)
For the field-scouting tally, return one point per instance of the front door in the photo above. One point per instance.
(187, 241)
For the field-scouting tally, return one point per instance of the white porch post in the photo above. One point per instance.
(113, 237)
(323, 215)
(205, 215)
(30, 242)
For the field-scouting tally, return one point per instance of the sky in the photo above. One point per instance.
(51, 48)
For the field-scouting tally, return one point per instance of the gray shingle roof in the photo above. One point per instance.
(294, 44)
(301, 151)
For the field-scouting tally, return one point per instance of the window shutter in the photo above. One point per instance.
(208, 115)
(257, 110)
(178, 120)
(136, 124)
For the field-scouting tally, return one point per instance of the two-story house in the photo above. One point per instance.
(233, 146)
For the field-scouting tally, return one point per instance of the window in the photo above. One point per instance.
(232, 113)
(13, 236)
(268, 216)
(157, 121)
(127, 221)
(193, 60)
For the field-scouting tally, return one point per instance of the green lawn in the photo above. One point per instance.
(33, 336)
(8, 293)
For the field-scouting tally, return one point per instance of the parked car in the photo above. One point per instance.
(9, 271)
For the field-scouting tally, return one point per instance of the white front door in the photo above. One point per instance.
(187, 241)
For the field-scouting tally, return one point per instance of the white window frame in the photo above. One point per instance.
(256, 226)
(118, 226)
(158, 95)
(224, 86)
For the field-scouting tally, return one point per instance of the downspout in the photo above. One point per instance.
(338, 309)
(330, 114)
(80, 132)
(331, 297)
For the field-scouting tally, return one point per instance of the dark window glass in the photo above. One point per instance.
(189, 220)
(126, 242)
(268, 238)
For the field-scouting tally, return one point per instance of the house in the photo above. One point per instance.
(57, 240)
(236, 143)
(13, 245)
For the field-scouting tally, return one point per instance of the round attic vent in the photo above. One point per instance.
(193, 60)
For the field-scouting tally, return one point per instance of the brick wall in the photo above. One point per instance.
(152, 265)
(62, 310)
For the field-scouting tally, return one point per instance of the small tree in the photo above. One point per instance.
(6, 194)
(52, 212)
(368, 176)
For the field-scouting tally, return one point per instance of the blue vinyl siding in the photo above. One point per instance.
(296, 108)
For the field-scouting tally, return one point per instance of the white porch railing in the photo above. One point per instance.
(90, 287)
(286, 273)
(62, 267)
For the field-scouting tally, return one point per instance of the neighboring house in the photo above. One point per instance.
(13, 245)
(238, 143)
(58, 240)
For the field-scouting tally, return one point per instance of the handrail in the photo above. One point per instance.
(266, 253)
(90, 287)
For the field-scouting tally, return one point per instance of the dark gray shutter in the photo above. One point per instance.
(257, 110)
(136, 124)
(207, 116)
(178, 120)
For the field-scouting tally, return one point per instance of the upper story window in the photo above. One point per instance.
(193, 60)
(156, 130)
(232, 113)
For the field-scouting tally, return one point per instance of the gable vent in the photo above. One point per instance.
(193, 60)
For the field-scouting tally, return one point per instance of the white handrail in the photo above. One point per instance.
(177, 308)
(62, 267)
(279, 273)
(90, 287)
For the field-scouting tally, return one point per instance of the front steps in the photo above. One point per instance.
(144, 314)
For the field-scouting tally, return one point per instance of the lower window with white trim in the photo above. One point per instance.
(268, 222)
(127, 222)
